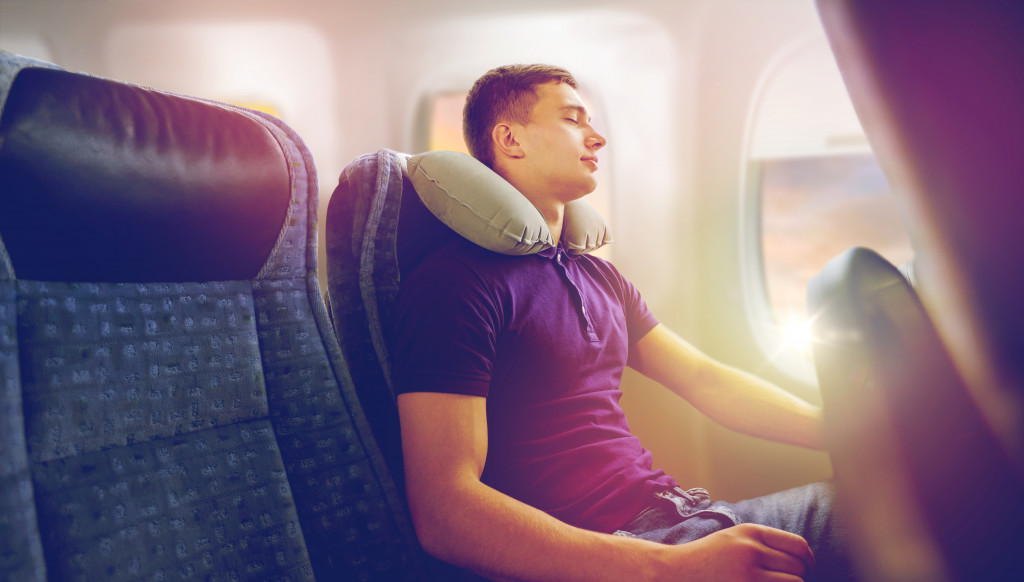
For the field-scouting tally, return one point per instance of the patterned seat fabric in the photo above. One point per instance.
(367, 255)
(174, 402)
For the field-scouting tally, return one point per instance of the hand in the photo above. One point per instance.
(748, 552)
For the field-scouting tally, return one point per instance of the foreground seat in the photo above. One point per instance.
(926, 489)
(173, 402)
(937, 87)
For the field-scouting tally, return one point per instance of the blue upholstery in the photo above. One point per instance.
(174, 402)
(377, 230)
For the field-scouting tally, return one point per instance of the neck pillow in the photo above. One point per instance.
(480, 205)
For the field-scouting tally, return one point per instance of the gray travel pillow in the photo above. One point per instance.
(483, 207)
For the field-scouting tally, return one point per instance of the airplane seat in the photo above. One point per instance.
(388, 212)
(366, 255)
(928, 493)
(936, 87)
(909, 271)
(174, 402)
(363, 273)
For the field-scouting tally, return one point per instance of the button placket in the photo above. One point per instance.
(580, 299)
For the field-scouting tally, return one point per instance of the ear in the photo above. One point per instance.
(505, 143)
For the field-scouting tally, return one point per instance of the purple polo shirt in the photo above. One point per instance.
(545, 339)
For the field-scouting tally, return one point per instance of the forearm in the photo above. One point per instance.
(461, 520)
(503, 539)
(731, 397)
(748, 404)
(481, 529)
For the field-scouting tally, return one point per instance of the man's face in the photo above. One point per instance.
(559, 144)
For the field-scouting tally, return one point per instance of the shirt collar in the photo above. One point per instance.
(552, 252)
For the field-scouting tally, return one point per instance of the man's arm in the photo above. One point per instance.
(463, 521)
(731, 397)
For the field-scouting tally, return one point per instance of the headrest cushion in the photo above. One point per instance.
(483, 207)
(107, 181)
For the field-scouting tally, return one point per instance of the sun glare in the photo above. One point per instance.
(796, 335)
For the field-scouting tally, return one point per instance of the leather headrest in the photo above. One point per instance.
(107, 181)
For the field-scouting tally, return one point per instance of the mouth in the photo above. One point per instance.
(590, 161)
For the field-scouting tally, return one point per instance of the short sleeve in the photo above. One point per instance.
(445, 330)
(639, 319)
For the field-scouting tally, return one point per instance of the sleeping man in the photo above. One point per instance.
(519, 461)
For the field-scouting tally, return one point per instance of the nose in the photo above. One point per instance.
(596, 141)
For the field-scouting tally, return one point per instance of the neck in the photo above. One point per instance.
(554, 216)
(550, 207)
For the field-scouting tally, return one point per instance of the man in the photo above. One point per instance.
(519, 461)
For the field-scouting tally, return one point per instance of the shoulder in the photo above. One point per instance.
(603, 268)
(458, 251)
(461, 261)
(452, 278)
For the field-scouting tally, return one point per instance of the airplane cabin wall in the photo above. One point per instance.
(673, 79)
(740, 43)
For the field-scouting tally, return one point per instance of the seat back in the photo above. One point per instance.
(367, 253)
(937, 87)
(174, 402)
(377, 230)
(928, 492)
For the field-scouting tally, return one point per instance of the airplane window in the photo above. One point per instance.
(444, 132)
(819, 191)
(446, 123)
(812, 210)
